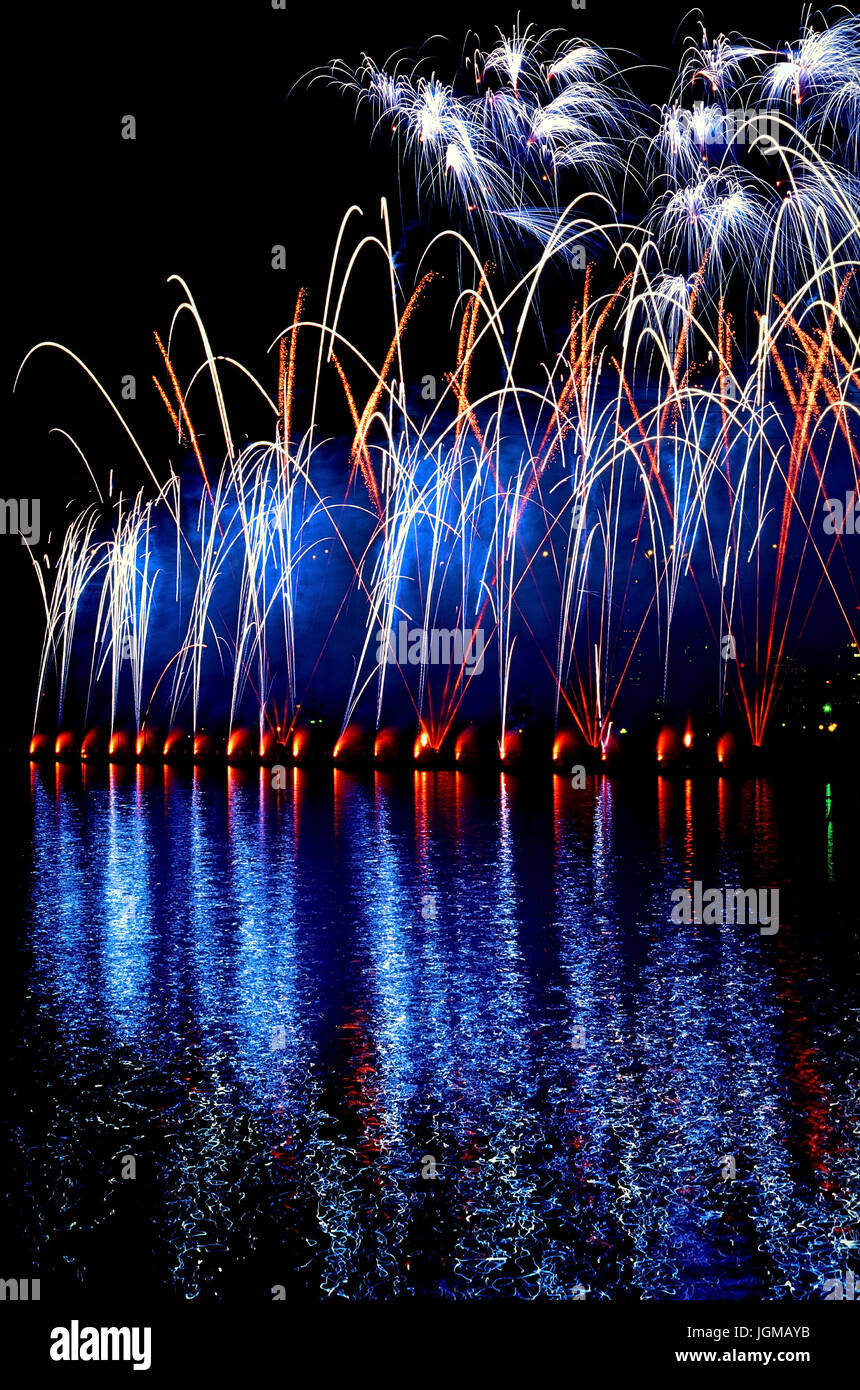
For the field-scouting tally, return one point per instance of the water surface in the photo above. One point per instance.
(375, 1036)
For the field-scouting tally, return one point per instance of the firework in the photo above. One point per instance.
(677, 454)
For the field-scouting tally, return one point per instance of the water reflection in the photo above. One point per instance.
(375, 1036)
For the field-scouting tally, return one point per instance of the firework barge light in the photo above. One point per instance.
(470, 748)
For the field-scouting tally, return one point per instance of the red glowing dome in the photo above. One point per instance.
(566, 747)
(388, 746)
(268, 745)
(174, 744)
(511, 749)
(40, 746)
(467, 747)
(241, 745)
(424, 751)
(668, 745)
(204, 744)
(121, 746)
(64, 747)
(93, 745)
(725, 748)
(353, 743)
(148, 743)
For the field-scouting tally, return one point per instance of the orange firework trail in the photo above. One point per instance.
(287, 372)
(359, 448)
(183, 412)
